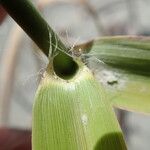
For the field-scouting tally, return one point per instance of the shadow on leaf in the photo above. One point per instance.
(112, 141)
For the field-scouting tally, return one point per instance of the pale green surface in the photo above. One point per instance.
(128, 57)
(74, 115)
(135, 95)
(126, 90)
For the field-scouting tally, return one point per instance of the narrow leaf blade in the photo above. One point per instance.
(126, 75)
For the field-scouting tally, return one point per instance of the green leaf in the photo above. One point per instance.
(126, 90)
(74, 115)
(125, 73)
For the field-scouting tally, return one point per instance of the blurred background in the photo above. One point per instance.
(75, 21)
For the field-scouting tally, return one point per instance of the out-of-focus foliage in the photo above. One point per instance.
(126, 72)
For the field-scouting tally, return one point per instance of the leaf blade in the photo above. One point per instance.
(74, 115)
(129, 58)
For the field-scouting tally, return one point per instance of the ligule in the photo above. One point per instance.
(74, 115)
